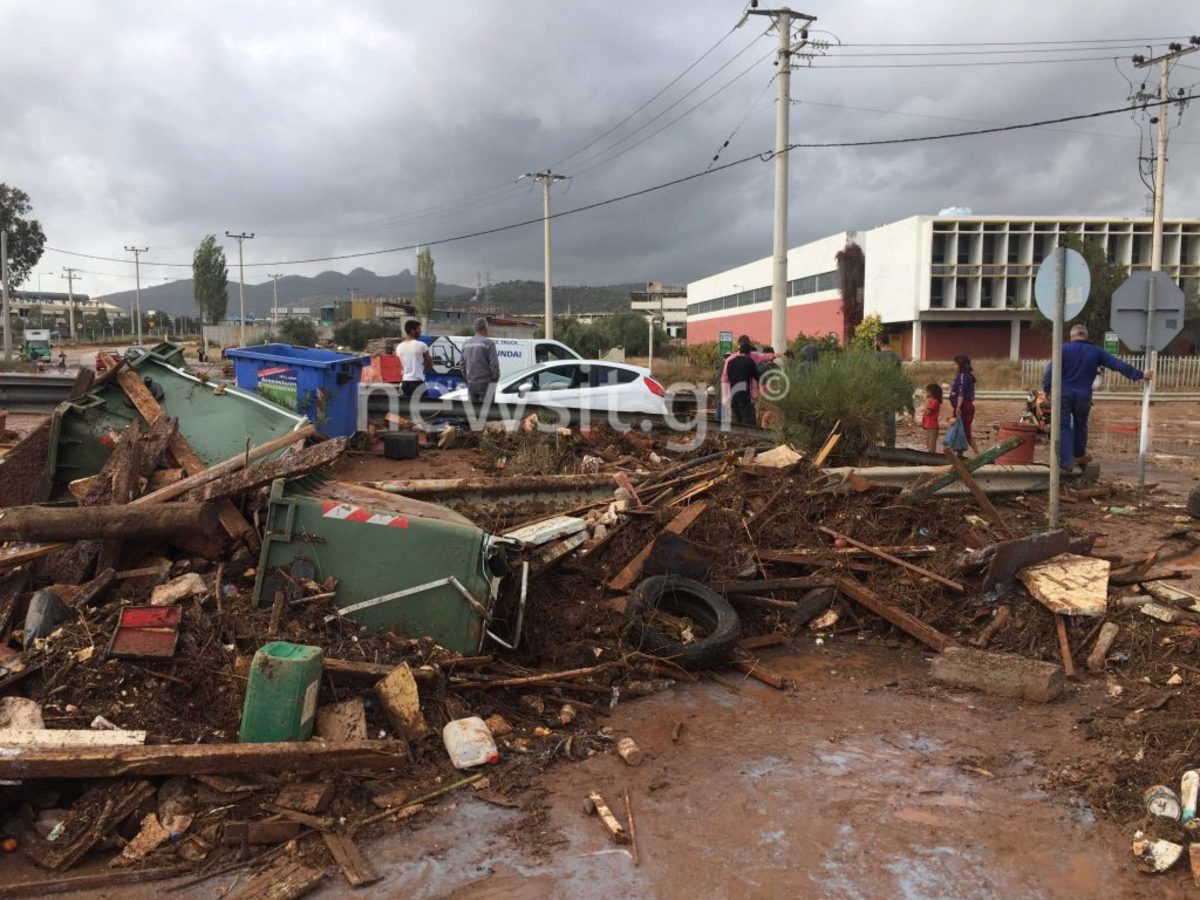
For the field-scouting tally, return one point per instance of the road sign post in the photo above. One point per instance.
(1061, 289)
(1147, 314)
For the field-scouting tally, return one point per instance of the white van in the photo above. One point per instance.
(515, 354)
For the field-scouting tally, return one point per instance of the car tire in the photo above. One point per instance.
(682, 596)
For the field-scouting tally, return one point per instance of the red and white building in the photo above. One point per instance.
(943, 284)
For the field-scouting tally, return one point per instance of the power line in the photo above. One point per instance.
(668, 86)
(1139, 40)
(1006, 52)
(764, 156)
(953, 65)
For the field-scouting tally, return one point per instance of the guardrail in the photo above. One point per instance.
(1172, 373)
(22, 392)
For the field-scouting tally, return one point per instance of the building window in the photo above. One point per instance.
(1039, 248)
(989, 248)
(939, 248)
(960, 294)
(988, 293)
(1010, 293)
(964, 249)
(936, 298)
(1137, 250)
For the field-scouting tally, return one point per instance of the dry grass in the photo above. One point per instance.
(674, 369)
(990, 374)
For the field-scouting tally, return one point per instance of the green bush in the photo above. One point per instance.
(299, 332)
(853, 388)
(704, 354)
(827, 343)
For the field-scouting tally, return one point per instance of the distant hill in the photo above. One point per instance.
(518, 297)
(294, 290)
(524, 297)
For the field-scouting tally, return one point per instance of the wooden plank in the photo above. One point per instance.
(1064, 646)
(69, 737)
(548, 556)
(547, 530)
(1012, 556)
(76, 523)
(827, 450)
(94, 882)
(626, 578)
(1069, 584)
(761, 641)
(232, 520)
(289, 465)
(96, 814)
(894, 560)
(356, 867)
(766, 585)
(287, 880)
(275, 832)
(805, 555)
(155, 443)
(610, 822)
(312, 797)
(759, 672)
(906, 622)
(205, 759)
(977, 492)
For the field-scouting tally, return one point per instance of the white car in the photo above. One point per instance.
(581, 384)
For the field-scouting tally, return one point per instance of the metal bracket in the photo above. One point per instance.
(520, 613)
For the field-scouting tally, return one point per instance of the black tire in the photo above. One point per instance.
(682, 596)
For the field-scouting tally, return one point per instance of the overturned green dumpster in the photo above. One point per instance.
(400, 563)
(218, 420)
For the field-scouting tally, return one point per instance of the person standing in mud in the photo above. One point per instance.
(962, 398)
(885, 353)
(742, 372)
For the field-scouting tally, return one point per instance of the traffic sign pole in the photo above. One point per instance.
(1060, 305)
(1151, 361)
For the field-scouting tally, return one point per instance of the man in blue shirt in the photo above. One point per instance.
(1081, 360)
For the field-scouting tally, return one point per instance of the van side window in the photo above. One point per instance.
(550, 352)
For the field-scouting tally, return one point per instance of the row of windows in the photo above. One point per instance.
(1039, 247)
(797, 287)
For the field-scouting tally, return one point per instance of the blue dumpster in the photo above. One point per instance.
(321, 384)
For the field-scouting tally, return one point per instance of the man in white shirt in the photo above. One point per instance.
(415, 359)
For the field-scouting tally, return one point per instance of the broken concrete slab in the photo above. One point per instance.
(1003, 674)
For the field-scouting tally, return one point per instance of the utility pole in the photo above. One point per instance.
(274, 298)
(1163, 61)
(784, 18)
(137, 290)
(70, 276)
(241, 284)
(4, 294)
(547, 178)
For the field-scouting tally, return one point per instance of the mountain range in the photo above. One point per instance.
(519, 297)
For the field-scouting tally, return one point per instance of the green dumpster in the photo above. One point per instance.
(400, 563)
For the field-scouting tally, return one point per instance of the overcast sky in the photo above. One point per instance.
(338, 127)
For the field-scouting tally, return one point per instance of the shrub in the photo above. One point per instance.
(300, 332)
(704, 355)
(853, 388)
(866, 331)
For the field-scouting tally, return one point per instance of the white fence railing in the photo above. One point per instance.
(1172, 373)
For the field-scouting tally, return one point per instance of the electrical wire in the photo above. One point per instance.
(765, 156)
(738, 127)
(1138, 40)
(1008, 52)
(956, 65)
(670, 84)
(595, 160)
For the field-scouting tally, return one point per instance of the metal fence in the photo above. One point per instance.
(1178, 373)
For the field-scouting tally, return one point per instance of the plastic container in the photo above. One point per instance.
(321, 384)
(1022, 455)
(281, 694)
(469, 743)
(1189, 787)
(1163, 802)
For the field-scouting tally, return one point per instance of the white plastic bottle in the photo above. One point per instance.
(469, 743)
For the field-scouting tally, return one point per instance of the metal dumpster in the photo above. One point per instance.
(399, 563)
(218, 420)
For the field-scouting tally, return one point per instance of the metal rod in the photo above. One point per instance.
(1060, 302)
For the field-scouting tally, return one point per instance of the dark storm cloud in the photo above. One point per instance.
(334, 128)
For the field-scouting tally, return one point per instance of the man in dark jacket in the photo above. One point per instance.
(1081, 360)
(742, 372)
(481, 364)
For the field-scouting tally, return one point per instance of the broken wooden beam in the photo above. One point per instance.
(356, 868)
(1064, 645)
(203, 759)
(610, 822)
(894, 560)
(1108, 634)
(1003, 674)
(999, 620)
(628, 576)
(989, 510)
(766, 585)
(289, 465)
(752, 668)
(905, 621)
(93, 882)
(67, 523)
(807, 555)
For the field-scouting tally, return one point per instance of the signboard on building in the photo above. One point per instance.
(725, 342)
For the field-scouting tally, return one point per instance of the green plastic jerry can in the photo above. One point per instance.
(281, 696)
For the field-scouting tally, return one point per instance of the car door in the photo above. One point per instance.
(558, 384)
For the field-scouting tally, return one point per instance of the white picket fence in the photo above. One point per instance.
(1173, 373)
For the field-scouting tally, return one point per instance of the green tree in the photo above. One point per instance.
(210, 279)
(1107, 276)
(356, 333)
(300, 332)
(26, 239)
(102, 320)
(426, 284)
(866, 331)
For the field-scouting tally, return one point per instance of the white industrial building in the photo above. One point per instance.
(943, 284)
